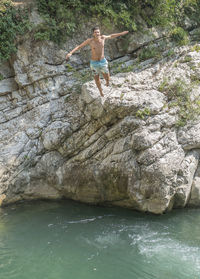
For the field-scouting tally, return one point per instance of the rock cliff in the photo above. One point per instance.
(60, 139)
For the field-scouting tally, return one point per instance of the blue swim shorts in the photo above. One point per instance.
(98, 67)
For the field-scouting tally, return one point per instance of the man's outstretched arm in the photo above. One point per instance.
(77, 48)
(112, 36)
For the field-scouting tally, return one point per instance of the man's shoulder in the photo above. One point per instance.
(105, 37)
(89, 40)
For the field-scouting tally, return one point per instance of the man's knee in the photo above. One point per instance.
(97, 78)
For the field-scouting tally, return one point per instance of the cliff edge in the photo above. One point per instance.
(137, 147)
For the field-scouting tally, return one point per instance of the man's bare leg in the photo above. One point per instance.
(98, 84)
(107, 78)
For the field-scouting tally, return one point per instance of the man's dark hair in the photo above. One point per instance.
(95, 28)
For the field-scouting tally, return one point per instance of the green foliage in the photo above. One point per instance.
(1, 77)
(195, 48)
(13, 23)
(120, 67)
(128, 69)
(180, 36)
(186, 59)
(60, 19)
(149, 52)
(63, 18)
(80, 76)
(117, 67)
(164, 84)
(195, 79)
(178, 94)
(170, 52)
(169, 12)
(175, 90)
(26, 157)
(192, 10)
(122, 96)
(143, 113)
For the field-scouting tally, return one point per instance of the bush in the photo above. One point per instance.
(180, 36)
(63, 17)
(13, 22)
(178, 94)
(150, 52)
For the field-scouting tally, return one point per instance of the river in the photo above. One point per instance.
(69, 240)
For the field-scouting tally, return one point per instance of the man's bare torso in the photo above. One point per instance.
(97, 48)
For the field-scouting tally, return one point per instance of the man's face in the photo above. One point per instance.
(96, 33)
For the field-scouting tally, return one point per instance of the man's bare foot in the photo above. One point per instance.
(102, 95)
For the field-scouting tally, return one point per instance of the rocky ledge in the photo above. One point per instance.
(124, 149)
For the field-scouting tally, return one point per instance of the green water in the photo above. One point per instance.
(62, 240)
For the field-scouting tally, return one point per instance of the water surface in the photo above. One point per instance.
(68, 240)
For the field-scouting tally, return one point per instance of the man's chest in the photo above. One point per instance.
(97, 44)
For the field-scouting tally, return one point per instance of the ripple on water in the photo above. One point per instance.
(8, 264)
(101, 242)
(160, 248)
(88, 220)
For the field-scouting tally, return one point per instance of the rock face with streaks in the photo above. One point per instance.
(58, 140)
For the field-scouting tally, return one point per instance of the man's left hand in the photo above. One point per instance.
(125, 32)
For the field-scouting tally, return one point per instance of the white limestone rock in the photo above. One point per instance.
(123, 149)
(194, 200)
(7, 86)
(189, 136)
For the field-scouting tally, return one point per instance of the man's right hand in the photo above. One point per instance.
(68, 56)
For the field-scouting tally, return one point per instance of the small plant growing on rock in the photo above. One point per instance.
(26, 157)
(195, 79)
(122, 96)
(143, 113)
(69, 68)
(128, 69)
(195, 48)
(193, 67)
(186, 59)
(80, 76)
(117, 67)
(163, 85)
(121, 67)
(180, 36)
(149, 52)
(178, 95)
(170, 52)
(1, 77)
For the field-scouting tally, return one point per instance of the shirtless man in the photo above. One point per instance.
(98, 63)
